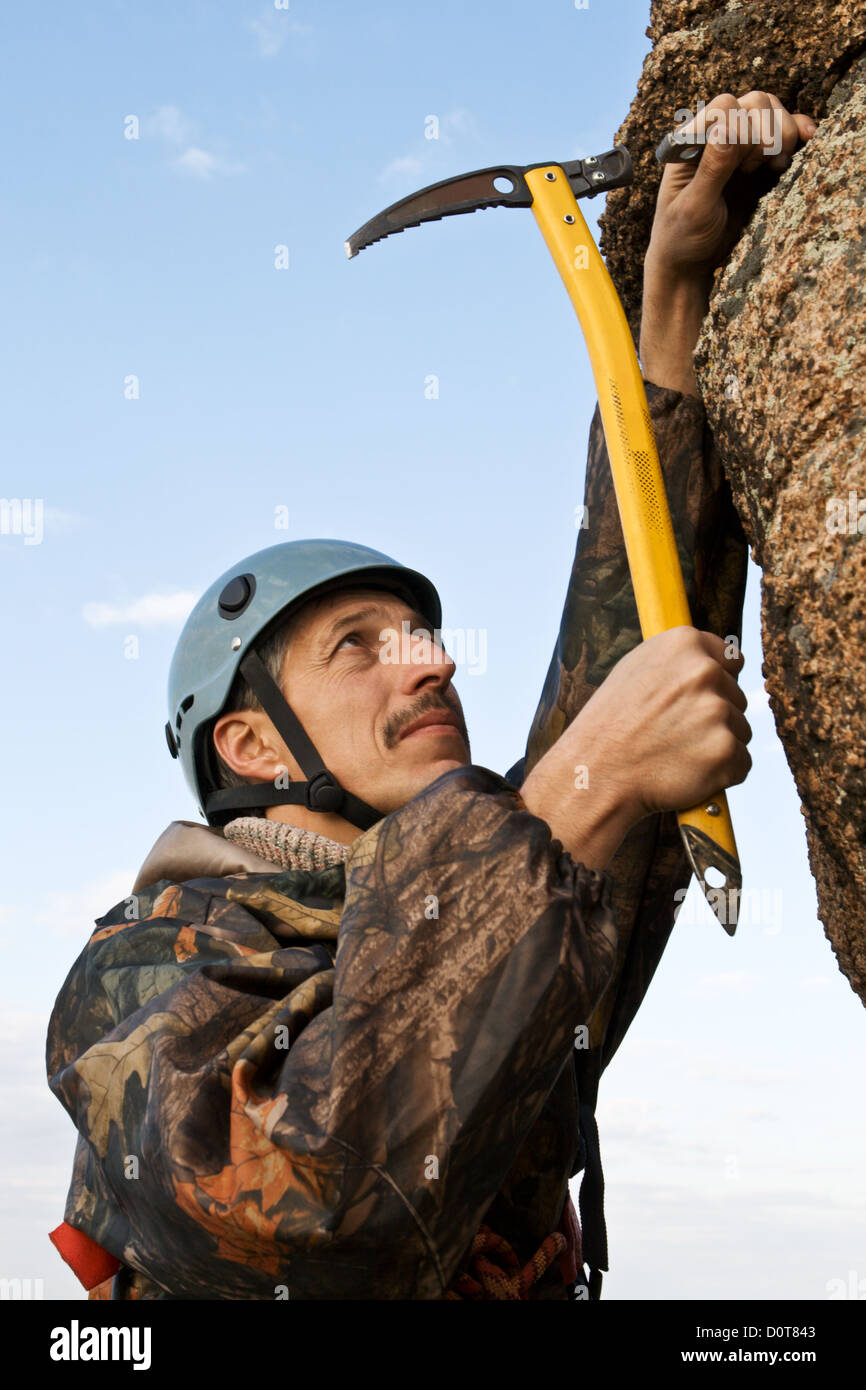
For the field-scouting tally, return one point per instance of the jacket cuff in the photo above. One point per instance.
(667, 399)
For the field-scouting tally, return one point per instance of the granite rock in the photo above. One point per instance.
(781, 366)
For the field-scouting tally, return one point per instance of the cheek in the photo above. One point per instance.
(352, 715)
(356, 727)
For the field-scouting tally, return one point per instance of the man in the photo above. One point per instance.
(349, 1046)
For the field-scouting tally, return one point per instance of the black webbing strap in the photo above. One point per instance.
(281, 714)
(321, 791)
(591, 1198)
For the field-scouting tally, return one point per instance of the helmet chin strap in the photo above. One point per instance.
(321, 791)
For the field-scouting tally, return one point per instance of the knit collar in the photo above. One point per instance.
(283, 844)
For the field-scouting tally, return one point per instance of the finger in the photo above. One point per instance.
(725, 685)
(720, 649)
(765, 129)
(772, 132)
(741, 767)
(805, 125)
(720, 156)
(731, 691)
(736, 722)
(806, 128)
(738, 725)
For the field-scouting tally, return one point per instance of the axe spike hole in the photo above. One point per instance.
(503, 184)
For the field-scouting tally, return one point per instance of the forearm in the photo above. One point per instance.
(599, 618)
(591, 817)
(674, 307)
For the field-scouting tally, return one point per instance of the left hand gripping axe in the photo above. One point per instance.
(552, 191)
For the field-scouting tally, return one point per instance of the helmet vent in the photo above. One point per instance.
(185, 705)
(236, 596)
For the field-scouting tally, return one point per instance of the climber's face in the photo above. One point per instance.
(375, 698)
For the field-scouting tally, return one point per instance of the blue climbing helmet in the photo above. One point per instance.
(220, 639)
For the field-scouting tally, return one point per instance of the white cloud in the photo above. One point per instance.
(631, 1116)
(169, 123)
(647, 1047)
(405, 164)
(816, 984)
(70, 913)
(457, 124)
(772, 746)
(148, 611)
(273, 27)
(36, 1159)
(759, 700)
(201, 164)
(270, 31)
(713, 1069)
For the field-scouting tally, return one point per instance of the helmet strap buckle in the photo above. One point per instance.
(323, 793)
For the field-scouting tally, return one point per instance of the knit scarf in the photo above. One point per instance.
(283, 844)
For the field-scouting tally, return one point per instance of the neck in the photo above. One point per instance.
(320, 822)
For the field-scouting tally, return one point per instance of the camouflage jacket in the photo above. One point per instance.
(323, 1084)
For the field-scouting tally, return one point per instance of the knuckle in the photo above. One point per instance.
(727, 744)
(705, 677)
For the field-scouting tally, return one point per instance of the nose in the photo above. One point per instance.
(425, 662)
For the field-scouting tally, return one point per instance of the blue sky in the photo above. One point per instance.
(732, 1153)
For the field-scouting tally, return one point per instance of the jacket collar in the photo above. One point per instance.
(188, 850)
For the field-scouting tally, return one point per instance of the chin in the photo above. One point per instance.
(422, 777)
(435, 769)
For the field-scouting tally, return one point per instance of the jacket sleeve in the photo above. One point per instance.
(600, 625)
(358, 1160)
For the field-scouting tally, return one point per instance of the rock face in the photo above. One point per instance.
(781, 365)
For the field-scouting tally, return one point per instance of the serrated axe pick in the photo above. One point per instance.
(552, 191)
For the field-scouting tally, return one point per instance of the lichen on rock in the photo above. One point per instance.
(781, 366)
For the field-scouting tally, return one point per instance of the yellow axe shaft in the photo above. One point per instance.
(656, 574)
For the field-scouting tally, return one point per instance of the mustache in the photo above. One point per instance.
(432, 703)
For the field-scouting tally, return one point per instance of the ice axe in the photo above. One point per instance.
(552, 191)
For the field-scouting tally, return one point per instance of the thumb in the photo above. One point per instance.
(805, 125)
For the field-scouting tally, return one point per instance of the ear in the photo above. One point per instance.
(248, 742)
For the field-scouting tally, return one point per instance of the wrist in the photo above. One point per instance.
(584, 805)
(673, 310)
(689, 281)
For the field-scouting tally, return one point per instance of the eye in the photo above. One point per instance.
(346, 637)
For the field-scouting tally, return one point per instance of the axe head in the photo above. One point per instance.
(502, 185)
